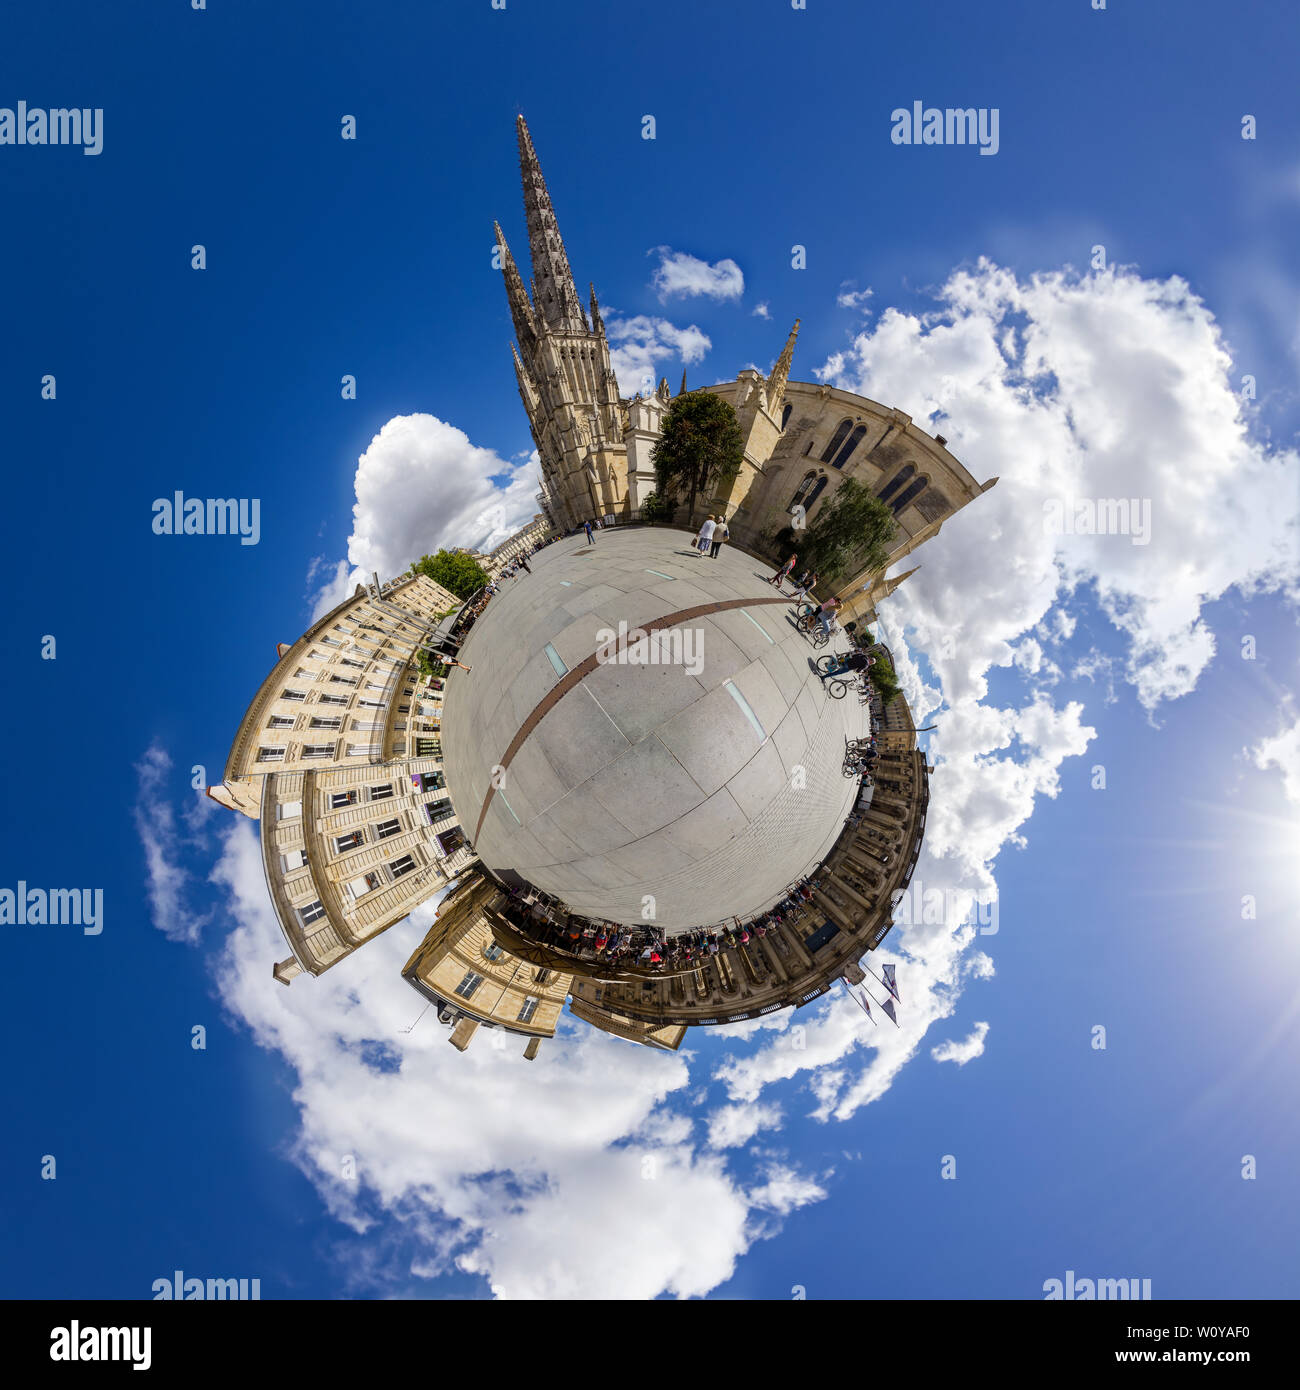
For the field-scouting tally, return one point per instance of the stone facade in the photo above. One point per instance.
(339, 756)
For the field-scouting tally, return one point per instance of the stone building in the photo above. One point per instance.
(521, 543)
(801, 439)
(339, 756)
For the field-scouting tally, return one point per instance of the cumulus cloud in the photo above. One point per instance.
(169, 884)
(421, 484)
(680, 275)
(1282, 751)
(851, 298)
(459, 1161)
(638, 344)
(733, 1125)
(964, 1051)
(761, 311)
(1110, 386)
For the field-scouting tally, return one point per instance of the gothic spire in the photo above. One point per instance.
(521, 311)
(597, 323)
(682, 392)
(555, 298)
(781, 373)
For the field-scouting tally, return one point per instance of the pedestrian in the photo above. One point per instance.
(720, 534)
(524, 564)
(779, 578)
(807, 583)
(451, 661)
(590, 538)
(703, 540)
(825, 613)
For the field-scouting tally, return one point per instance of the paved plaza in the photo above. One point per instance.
(708, 780)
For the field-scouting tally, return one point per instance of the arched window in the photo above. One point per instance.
(808, 480)
(785, 416)
(909, 495)
(841, 432)
(896, 482)
(850, 444)
(815, 493)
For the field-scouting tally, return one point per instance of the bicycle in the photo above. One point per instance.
(806, 622)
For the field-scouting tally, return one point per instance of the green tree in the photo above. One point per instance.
(851, 533)
(454, 570)
(701, 445)
(654, 508)
(884, 678)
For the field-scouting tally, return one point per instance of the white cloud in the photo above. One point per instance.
(1282, 751)
(734, 1125)
(682, 275)
(965, 1051)
(420, 485)
(761, 311)
(461, 1161)
(638, 344)
(850, 298)
(168, 881)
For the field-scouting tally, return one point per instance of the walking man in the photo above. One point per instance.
(720, 534)
(590, 538)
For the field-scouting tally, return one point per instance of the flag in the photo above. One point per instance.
(888, 1007)
(888, 972)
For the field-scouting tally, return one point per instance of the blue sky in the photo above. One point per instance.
(807, 1154)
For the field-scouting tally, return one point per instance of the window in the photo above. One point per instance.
(279, 721)
(312, 912)
(354, 839)
(385, 828)
(785, 416)
(371, 704)
(436, 810)
(364, 750)
(333, 699)
(492, 951)
(909, 495)
(318, 750)
(270, 755)
(802, 491)
(469, 984)
(340, 799)
(896, 482)
(367, 883)
(366, 725)
(331, 641)
(850, 444)
(344, 680)
(815, 493)
(287, 810)
(542, 976)
(528, 1010)
(293, 694)
(838, 438)
(428, 748)
(347, 661)
(381, 792)
(294, 859)
(329, 723)
(401, 866)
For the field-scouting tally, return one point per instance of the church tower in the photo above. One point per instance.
(562, 365)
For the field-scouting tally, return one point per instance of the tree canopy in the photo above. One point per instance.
(851, 532)
(454, 570)
(700, 445)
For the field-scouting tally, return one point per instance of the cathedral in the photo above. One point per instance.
(801, 438)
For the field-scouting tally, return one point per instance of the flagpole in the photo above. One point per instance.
(858, 1002)
(881, 1007)
(881, 982)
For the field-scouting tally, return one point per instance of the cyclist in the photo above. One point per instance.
(854, 661)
